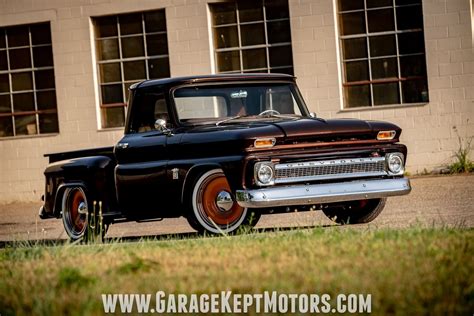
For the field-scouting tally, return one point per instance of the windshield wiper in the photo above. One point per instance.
(229, 119)
(285, 116)
(290, 117)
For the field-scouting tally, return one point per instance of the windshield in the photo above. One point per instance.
(209, 103)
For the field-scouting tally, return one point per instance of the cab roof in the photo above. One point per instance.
(212, 78)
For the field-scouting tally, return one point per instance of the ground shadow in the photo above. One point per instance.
(157, 237)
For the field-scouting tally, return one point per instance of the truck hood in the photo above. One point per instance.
(310, 129)
(307, 127)
(318, 128)
(302, 128)
(238, 135)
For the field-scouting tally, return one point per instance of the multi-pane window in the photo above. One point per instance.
(27, 88)
(383, 52)
(130, 48)
(252, 36)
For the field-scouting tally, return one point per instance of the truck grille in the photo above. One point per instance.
(330, 169)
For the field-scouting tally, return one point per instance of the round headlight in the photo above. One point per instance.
(264, 174)
(395, 163)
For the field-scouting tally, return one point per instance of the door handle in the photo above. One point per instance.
(122, 145)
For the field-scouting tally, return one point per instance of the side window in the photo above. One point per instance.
(147, 109)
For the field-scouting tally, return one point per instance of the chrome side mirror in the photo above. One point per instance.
(312, 114)
(160, 125)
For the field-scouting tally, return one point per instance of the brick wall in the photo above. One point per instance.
(22, 161)
(430, 130)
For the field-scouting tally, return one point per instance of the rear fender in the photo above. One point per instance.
(58, 200)
(79, 166)
(95, 174)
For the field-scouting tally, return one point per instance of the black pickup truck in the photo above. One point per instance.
(221, 150)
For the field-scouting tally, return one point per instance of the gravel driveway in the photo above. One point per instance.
(434, 201)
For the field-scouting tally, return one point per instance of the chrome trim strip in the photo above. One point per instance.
(330, 176)
(349, 161)
(322, 193)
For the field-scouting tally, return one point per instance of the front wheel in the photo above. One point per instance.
(355, 212)
(213, 207)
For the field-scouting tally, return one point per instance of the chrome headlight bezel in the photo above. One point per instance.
(268, 167)
(391, 159)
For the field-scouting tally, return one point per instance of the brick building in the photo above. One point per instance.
(65, 67)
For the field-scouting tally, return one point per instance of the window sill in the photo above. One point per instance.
(383, 107)
(110, 129)
(28, 136)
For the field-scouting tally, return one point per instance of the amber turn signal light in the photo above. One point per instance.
(264, 142)
(386, 135)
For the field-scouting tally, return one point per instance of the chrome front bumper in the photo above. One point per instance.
(322, 193)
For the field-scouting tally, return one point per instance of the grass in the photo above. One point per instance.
(408, 271)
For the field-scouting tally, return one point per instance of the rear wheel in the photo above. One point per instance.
(355, 212)
(213, 207)
(79, 219)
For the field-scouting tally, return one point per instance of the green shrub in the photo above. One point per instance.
(462, 162)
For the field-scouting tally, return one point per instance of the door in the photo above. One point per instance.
(142, 160)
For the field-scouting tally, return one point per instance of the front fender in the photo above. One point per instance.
(231, 165)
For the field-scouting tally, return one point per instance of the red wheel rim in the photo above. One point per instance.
(77, 219)
(208, 199)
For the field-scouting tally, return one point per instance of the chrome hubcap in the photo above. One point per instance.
(224, 201)
(82, 208)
